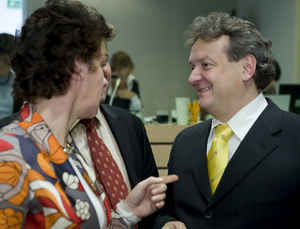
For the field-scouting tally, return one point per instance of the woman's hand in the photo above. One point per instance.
(148, 195)
(125, 94)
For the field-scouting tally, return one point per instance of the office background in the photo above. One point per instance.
(151, 32)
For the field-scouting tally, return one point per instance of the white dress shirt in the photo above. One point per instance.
(240, 124)
(78, 133)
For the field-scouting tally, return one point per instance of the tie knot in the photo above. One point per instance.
(88, 122)
(224, 132)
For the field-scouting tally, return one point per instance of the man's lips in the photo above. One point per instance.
(205, 89)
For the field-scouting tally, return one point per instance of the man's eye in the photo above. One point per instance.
(206, 65)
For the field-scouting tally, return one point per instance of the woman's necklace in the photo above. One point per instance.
(7, 80)
(68, 150)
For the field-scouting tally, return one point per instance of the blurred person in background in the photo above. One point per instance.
(8, 104)
(124, 89)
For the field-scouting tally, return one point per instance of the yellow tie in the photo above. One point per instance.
(217, 158)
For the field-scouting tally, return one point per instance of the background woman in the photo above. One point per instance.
(124, 90)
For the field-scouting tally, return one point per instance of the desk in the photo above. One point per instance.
(161, 137)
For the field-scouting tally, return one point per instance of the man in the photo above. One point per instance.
(124, 135)
(231, 64)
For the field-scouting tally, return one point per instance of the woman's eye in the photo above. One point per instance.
(103, 64)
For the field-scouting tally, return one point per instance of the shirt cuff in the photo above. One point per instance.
(129, 217)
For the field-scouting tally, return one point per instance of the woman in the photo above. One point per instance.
(124, 90)
(61, 66)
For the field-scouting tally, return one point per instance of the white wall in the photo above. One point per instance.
(276, 20)
(10, 16)
(151, 32)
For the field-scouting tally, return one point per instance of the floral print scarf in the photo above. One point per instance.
(39, 187)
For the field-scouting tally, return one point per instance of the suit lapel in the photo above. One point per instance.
(121, 136)
(198, 160)
(257, 145)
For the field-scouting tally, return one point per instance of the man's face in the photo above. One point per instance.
(217, 81)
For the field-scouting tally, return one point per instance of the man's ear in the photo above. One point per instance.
(249, 66)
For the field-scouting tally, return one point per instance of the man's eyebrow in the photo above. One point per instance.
(205, 58)
(197, 60)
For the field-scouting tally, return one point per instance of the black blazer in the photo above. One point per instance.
(130, 135)
(260, 187)
(8, 119)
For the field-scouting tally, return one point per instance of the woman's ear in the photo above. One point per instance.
(249, 67)
(80, 70)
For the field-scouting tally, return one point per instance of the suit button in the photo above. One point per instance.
(208, 215)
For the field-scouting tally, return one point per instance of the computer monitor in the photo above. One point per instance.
(294, 91)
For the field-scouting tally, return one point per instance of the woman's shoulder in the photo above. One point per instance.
(14, 139)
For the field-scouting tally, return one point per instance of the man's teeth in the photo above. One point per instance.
(205, 89)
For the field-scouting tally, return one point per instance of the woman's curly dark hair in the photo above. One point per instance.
(50, 41)
(244, 39)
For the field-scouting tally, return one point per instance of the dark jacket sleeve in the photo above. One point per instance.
(8, 119)
(134, 146)
(166, 214)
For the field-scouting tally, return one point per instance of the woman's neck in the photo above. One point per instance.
(57, 114)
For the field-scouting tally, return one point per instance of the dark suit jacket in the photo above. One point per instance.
(8, 119)
(260, 187)
(131, 137)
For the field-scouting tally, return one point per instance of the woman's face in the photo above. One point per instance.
(96, 82)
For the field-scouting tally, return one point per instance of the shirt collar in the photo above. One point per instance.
(242, 121)
(98, 118)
